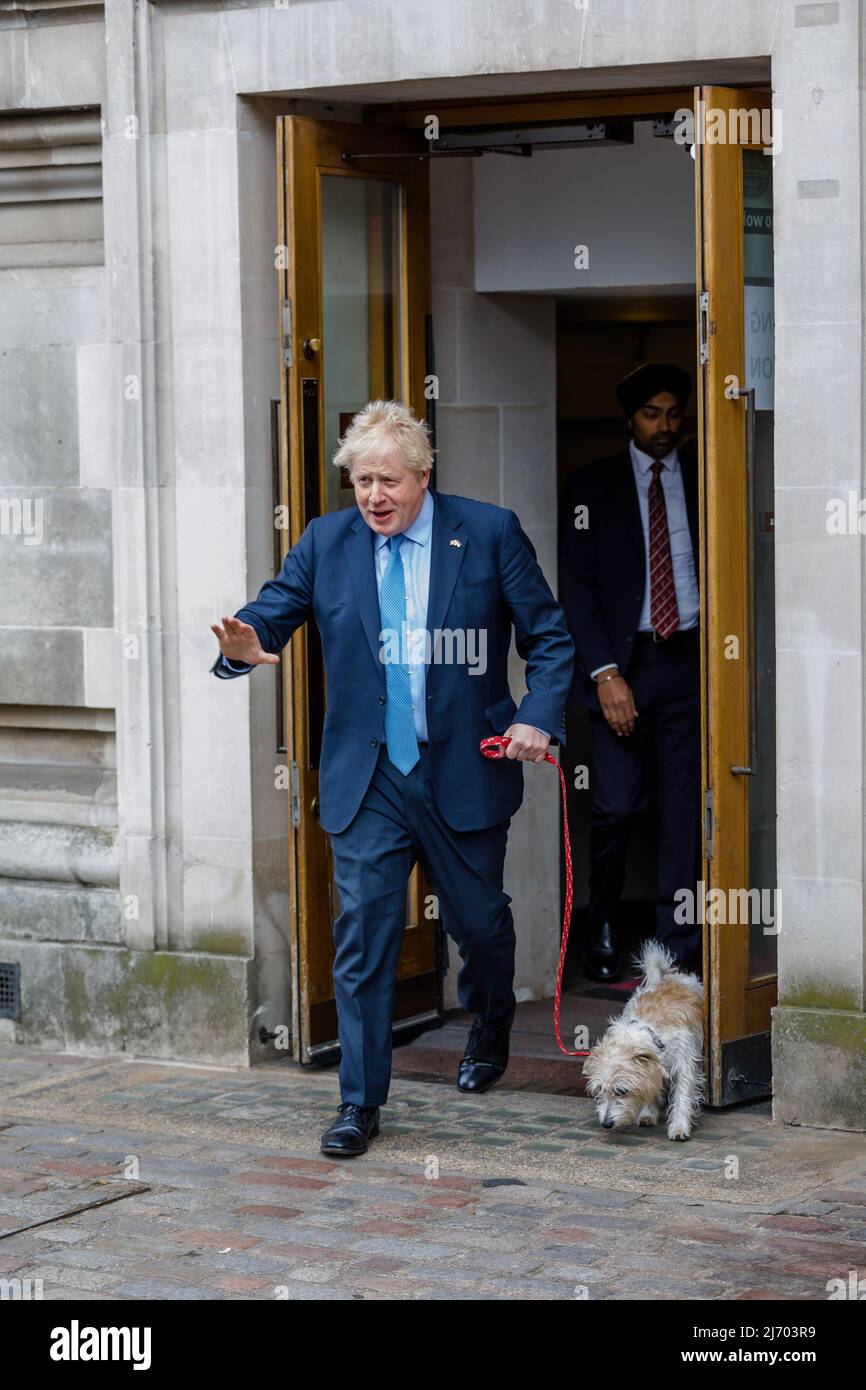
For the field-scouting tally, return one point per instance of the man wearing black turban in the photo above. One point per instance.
(629, 566)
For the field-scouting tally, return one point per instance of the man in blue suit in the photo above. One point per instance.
(415, 594)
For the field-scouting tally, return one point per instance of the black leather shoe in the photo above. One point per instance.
(602, 958)
(353, 1127)
(486, 1055)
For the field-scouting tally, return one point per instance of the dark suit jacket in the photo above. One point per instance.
(488, 580)
(603, 567)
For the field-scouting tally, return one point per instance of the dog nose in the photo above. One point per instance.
(607, 1124)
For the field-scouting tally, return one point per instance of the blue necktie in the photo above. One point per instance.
(400, 737)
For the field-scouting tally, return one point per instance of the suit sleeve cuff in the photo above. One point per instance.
(227, 670)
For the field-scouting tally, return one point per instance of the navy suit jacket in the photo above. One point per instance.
(603, 566)
(483, 575)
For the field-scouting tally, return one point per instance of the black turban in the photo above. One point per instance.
(645, 382)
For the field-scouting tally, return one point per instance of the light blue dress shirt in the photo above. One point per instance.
(415, 554)
(682, 556)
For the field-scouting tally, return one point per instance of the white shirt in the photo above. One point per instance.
(685, 583)
(682, 555)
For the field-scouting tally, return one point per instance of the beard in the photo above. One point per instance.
(656, 448)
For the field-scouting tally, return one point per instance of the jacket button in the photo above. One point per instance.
(373, 742)
(381, 699)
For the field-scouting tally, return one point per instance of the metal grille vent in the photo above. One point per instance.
(10, 990)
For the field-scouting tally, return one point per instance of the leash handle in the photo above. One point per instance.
(494, 747)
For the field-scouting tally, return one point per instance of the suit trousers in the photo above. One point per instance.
(397, 824)
(665, 682)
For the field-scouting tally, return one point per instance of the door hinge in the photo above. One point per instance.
(287, 333)
(704, 326)
(295, 793)
(709, 824)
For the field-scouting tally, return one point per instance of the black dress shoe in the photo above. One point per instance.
(602, 958)
(486, 1055)
(353, 1127)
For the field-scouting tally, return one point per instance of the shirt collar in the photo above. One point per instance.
(421, 527)
(645, 461)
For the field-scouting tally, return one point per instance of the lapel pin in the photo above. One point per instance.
(456, 543)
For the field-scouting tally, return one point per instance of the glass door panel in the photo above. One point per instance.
(361, 278)
(354, 296)
(759, 320)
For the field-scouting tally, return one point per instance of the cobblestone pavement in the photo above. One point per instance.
(165, 1181)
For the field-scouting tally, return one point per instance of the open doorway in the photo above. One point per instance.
(599, 339)
(587, 332)
(631, 300)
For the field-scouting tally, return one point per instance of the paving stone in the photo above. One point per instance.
(664, 1286)
(805, 1224)
(377, 1264)
(547, 1148)
(405, 1249)
(162, 1288)
(296, 1250)
(587, 1253)
(515, 1209)
(74, 1294)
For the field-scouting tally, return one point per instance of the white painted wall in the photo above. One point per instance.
(631, 206)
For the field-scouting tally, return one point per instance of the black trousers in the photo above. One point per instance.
(665, 681)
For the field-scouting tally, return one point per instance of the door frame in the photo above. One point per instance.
(550, 110)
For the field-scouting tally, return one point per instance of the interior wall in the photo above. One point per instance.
(526, 395)
(496, 440)
(630, 206)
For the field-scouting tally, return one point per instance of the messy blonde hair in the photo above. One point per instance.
(382, 425)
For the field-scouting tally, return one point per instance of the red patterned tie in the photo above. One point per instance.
(664, 614)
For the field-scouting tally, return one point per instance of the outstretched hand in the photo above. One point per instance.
(240, 642)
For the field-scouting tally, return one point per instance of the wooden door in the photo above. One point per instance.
(354, 304)
(734, 206)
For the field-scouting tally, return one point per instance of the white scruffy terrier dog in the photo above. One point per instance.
(653, 1051)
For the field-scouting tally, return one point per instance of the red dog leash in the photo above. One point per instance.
(495, 747)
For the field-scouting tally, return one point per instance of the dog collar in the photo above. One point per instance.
(639, 1023)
